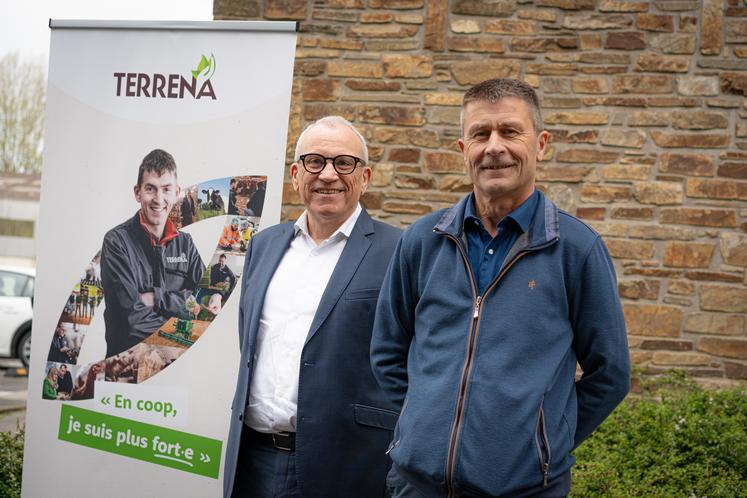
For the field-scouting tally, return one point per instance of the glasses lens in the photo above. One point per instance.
(345, 164)
(314, 162)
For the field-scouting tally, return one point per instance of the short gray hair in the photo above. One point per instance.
(332, 122)
(496, 89)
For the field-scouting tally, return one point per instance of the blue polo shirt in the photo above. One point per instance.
(486, 253)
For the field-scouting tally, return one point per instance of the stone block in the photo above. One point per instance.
(625, 40)
(655, 22)
(723, 298)
(596, 21)
(722, 346)
(312, 112)
(573, 136)
(596, 84)
(688, 254)
(491, 44)
(661, 344)
(286, 9)
(673, 43)
(455, 183)
(609, 229)
(511, 27)
(577, 118)
(658, 193)
(731, 169)
(382, 175)
(435, 26)
(639, 289)
(707, 86)
(564, 173)
(537, 15)
(408, 66)
(404, 155)
(542, 45)
(444, 162)
(715, 324)
(473, 72)
(700, 141)
(698, 120)
(707, 217)
(622, 6)
(630, 249)
(662, 63)
(373, 85)
(236, 9)
(490, 8)
(567, 4)
(681, 359)
(392, 115)
(465, 26)
(395, 4)
(418, 182)
(618, 137)
(404, 207)
(382, 31)
(404, 18)
(736, 31)
(716, 189)
(591, 213)
(444, 98)
(587, 156)
(355, 69)
(681, 287)
(713, 276)
(734, 370)
(648, 118)
(376, 17)
(711, 27)
(687, 164)
(632, 213)
(652, 320)
(324, 90)
(733, 248)
(604, 193)
(639, 83)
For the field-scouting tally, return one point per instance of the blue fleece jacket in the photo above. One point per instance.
(490, 404)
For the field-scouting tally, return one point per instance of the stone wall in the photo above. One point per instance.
(645, 103)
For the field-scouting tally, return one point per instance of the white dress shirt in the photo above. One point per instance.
(290, 304)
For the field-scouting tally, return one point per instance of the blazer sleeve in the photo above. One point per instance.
(600, 341)
(394, 327)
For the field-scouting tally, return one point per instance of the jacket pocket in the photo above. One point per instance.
(371, 416)
(355, 294)
(541, 440)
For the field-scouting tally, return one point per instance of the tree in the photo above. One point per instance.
(22, 96)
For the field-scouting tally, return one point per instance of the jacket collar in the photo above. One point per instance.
(542, 229)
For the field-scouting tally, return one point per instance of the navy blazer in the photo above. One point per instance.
(344, 421)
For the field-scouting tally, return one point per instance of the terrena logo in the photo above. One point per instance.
(169, 86)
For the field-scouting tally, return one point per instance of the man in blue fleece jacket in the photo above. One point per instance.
(484, 313)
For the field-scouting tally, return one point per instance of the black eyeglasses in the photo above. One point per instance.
(343, 164)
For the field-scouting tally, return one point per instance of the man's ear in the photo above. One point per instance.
(136, 191)
(367, 172)
(294, 176)
(542, 139)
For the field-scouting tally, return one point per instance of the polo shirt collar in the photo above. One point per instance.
(522, 215)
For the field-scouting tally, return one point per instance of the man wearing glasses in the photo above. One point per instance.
(308, 418)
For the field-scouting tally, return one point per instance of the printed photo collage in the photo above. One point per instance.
(240, 200)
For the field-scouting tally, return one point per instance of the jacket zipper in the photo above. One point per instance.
(467, 369)
(541, 430)
(395, 443)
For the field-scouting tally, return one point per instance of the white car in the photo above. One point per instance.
(16, 311)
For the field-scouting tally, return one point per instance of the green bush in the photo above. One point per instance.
(676, 440)
(11, 463)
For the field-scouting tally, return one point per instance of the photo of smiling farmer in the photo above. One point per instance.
(149, 269)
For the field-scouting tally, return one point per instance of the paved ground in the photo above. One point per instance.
(13, 392)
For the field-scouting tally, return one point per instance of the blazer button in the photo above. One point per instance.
(248, 363)
(241, 417)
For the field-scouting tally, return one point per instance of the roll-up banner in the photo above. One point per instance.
(164, 154)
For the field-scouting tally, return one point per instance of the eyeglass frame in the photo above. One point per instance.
(357, 160)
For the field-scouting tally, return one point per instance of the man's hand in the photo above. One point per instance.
(214, 304)
(148, 299)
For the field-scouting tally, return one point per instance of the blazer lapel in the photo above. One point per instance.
(351, 257)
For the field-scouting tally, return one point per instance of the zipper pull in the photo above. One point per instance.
(545, 468)
(476, 312)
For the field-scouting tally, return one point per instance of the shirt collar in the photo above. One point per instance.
(522, 215)
(301, 225)
(169, 232)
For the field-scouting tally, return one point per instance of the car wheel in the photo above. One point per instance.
(23, 350)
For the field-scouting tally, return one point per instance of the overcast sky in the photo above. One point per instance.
(24, 24)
